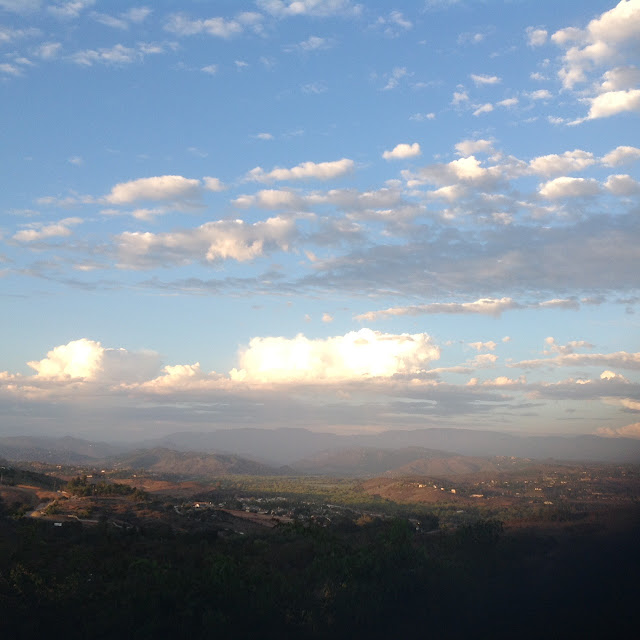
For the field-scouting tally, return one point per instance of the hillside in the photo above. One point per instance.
(190, 464)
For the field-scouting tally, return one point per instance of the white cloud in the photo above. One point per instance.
(9, 34)
(327, 317)
(485, 108)
(10, 69)
(70, 9)
(402, 151)
(605, 39)
(564, 349)
(459, 97)
(357, 355)
(393, 78)
(182, 25)
(469, 147)
(211, 69)
(88, 361)
(620, 78)
(264, 136)
(540, 94)
(622, 185)
(210, 242)
(536, 37)
(617, 360)
(611, 375)
(508, 102)
(565, 187)
(158, 188)
(614, 102)
(485, 306)
(20, 6)
(316, 8)
(567, 162)
(482, 80)
(304, 171)
(314, 88)
(116, 55)
(314, 43)
(48, 50)
(213, 184)
(421, 117)
(621, 155)
(270, 199)
(484, 346)
(37, 231)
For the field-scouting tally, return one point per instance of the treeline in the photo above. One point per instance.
(80, 486)
(379, 580)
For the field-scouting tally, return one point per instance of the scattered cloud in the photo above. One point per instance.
(536, 37)
(484, 108)
(158, 188)
(304, 171)
(314, 8)
(621, 155)
(37, 231)
(483, 80)
(566, 187)
(557, 164)
(403, 150)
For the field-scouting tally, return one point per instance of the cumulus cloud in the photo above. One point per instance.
(37, 231)
(483, 80)
(357, 355)
(614, 102)
(403, 150)
(212, 241)
(484, 346)
(557, 164)
(304, 171)
(87, 360)
(570, 347)
(270, 199)
(565, 187)
(605, 39)
(213, 184)
(157, 188)
(622, 185)
(626, 77)
(536, 37)
(469, 147)
(621, 155)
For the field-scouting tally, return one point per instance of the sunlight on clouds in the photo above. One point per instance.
(77, 359)
(304, 171)
(629, 431)
(156, 188)
(565, 187)
(403, 150)
(358, 354)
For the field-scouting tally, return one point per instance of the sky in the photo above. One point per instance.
(321, 214)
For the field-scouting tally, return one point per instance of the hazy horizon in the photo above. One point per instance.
(321, 214)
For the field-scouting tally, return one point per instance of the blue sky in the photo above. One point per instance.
(322, 214)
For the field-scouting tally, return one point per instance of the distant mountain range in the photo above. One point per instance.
(265, 451)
